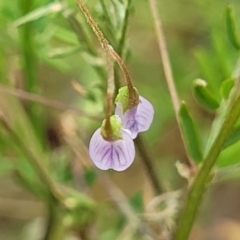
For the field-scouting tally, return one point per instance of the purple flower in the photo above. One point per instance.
(137, 119)
(118, 154)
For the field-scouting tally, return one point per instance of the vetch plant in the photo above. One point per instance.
(111, 146)
(63, 173)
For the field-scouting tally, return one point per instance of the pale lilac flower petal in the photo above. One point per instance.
(145, 114)
(128, 119)
(138, 119)
(117, 155)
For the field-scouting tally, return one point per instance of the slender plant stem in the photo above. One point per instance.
(106, 48)
(164, 55)
(140, 143)
(123, 68)
(194, 198)
(168, 70)
(133, 94)
(148, 163)
(52, 205)
(29, 62)
(134, 98)
(45, 101)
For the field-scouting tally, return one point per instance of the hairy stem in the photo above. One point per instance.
(105, 46)
(124, 69)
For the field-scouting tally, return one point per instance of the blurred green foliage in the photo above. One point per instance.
(45, 45)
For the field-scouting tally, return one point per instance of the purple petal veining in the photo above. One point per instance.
(117, 155)
(138, 119)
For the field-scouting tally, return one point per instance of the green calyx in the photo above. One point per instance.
(115, 131)
(128, 97)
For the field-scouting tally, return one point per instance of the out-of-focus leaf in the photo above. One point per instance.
(92, 60)
(230, 156)
(228, 173)
(39, 13)
(226, 88)
(231, 28)
(63, 52)
(190, 133)
(234, 137)
(221, 51)
(66, 36)
(81, 210)
(90, 177)
(6, 166)
(30, 183)
(121, 1)
(203, 96)
(137, 202)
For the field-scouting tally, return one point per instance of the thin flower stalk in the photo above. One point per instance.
(168, 70)
(105, 46)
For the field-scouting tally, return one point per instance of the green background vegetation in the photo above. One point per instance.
(44, 52)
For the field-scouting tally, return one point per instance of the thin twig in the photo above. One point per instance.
(167, 69)
(164, 55)
(45, 101)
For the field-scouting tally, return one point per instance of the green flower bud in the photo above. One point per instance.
(128, 99)
(116, 128)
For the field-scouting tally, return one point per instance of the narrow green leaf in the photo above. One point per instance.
(38, 13)
(226, 88)
(231, 28)
(66, 36)
(190, 133)
(203, 96)
(234, 137)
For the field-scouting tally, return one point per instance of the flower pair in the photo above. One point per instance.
(131, 117)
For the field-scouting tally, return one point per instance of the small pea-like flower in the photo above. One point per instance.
(116, 153)
(136, 119)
